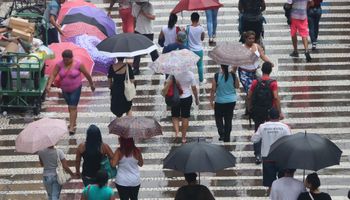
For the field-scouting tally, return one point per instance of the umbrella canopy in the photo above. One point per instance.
(135, 127)
(102, 63)
(97, 14)
(233, 54)
(67, 5)
(196, 5)
(80, 28)
(175, 62)
(40, 134)
(304, 151)
(79, 54)
(69, 19)
(199, 157)
(126, 45)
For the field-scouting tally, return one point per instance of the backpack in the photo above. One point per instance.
(262, 97)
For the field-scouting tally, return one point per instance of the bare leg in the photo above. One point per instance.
(185, 123)
(295, 43)
(129, 113)
(305, 43)
(176, 124)
(73, 114)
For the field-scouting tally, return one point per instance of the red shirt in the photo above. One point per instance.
(273, 87)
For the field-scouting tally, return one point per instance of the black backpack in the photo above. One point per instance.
(262, 97)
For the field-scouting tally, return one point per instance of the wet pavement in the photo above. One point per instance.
(314, 97)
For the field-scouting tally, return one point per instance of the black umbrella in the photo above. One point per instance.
(304, 151)
(199, 157)
(69, 19)
(126, 45)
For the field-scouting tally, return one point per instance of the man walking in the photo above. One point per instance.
(314, 15)
(143, 12)
(50, 16)
(262, 96)
(287, 187)
(267, 134)
(299, 24)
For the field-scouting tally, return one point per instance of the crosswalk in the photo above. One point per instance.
(314, 98)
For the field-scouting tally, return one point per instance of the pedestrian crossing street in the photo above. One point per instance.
(314, 98)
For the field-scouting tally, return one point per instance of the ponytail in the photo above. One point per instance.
(225, 70)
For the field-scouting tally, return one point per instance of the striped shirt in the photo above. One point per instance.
(299, 9)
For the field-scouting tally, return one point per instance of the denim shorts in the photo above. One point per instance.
(72, 98)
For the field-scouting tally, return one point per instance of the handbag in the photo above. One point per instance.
(129, 90)
(161, 41)
(106, 166)
(172, 98)
(57, 82)
(62, 175)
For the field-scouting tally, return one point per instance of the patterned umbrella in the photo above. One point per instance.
(79, 54)
(135, 127)
(175, 62)
(97, 14)
(89, 43)
(196, 5)
(67, 5)
(40, 134)
(233, 54)
(80, 28)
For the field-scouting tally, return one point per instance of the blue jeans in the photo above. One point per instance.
(52, 187)
(314, 16)
(211, 21)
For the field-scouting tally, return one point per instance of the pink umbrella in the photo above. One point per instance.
(40, 134)
(79, 54)
(71, 4)
(196, 5)
(80, 28)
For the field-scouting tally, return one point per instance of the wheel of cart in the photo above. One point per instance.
(24, 83)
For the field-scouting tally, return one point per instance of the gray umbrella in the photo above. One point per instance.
(199, 157)
(304, 151)
(126, 45)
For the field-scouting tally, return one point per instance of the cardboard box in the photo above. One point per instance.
(12, 48)
(22, 25)
(23, 35)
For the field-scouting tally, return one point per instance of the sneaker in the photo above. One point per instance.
(294, 54)
(314, 46)
(308, 57)
(203, 82)
(258, 159)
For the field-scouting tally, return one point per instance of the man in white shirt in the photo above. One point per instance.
(143, 12)
(287, 187)
(268, 133)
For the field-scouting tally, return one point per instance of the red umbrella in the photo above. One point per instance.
(71, 4)
(80, 28)
(196, 5)
(79, 54)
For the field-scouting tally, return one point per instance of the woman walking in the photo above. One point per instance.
(128, 158)
(124, 13)
(313, 183)
(116, 77)
(69, 71)
(169, 32)
(48, 159)
(248, 73)
(212, 15)
(100, 190)
(224, 87)
(93, 151)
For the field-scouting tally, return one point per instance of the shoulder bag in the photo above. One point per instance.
(129, 90)
(106, 166)
(62, 175)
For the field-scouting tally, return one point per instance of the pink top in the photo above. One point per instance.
(70, 80)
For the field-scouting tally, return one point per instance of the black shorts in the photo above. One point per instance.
(183, 109)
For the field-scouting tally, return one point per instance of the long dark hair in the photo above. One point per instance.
(101, 178)
(225, 70)
(127, 146)
(172, 20)
(93, 140)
